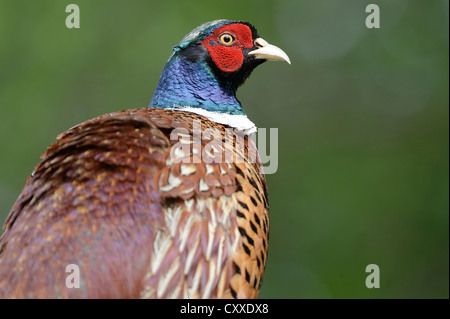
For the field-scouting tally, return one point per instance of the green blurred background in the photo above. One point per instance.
(363, 119)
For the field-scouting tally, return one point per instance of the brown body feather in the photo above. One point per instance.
(112, 197)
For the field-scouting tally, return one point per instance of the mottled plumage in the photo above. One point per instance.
(143, 206)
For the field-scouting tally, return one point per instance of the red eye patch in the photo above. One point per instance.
(229, 58)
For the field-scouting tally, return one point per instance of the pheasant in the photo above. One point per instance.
(168, 201)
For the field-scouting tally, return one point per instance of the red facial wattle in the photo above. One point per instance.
(229, 58)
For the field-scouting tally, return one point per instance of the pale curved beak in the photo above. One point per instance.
(269, 52)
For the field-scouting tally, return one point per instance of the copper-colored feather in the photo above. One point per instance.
(112, 197)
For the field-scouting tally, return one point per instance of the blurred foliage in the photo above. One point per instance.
(362, 116)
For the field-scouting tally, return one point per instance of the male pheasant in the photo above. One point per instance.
(168, 201)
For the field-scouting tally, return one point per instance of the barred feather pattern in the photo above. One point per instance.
(141, 217)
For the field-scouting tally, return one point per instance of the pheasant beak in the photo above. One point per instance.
(268, 52)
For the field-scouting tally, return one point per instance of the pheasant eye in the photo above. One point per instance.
(226, 39)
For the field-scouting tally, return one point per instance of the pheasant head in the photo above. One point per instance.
(208, 65)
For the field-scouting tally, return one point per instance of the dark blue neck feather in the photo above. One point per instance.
(186, 83)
